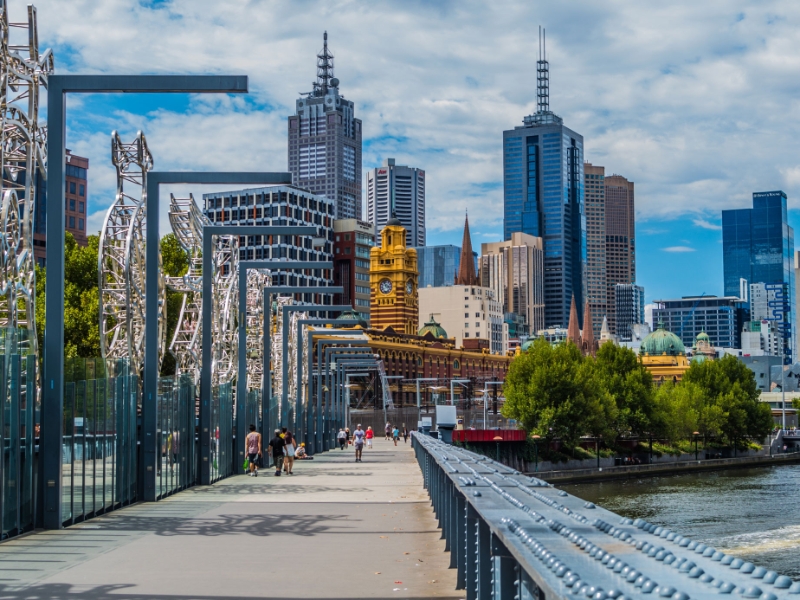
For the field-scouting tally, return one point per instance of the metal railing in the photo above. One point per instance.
(516, 537)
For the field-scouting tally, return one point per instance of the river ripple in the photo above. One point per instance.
(751, 513)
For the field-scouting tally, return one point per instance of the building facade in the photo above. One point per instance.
(280, 205)
(758, 246)
(397, 190)
(394, 282)
(620, 240)
(514, 270)
(761, 338)
(721, 318)
(543, 196)
(629, 309)
(76, 206)
(438, 265)
(353, 241)
(325, 142)
(596, 282)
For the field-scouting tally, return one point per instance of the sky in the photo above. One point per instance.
(696, 102)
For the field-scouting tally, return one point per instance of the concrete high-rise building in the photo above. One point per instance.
(620, 240)
(280, 205)
(514, 269)
(797, 292)
(595, 277)
(325, 142)
(629, 309)
(758, 245)
(397, 190)
(76, 207)
(543, 196)
(438, 265)
(353, 241)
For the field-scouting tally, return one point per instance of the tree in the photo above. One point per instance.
(175, 263)
(553, 391)
(630, 386)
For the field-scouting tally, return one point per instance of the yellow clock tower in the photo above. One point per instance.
(393, 276)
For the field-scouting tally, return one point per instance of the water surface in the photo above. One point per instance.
(751, 513)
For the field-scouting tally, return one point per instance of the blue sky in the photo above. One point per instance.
(696, 102)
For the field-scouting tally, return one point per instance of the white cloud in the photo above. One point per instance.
(678, 249)
(673, 96)
(704, 224)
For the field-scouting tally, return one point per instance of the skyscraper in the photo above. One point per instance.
(438, 265)
(629, 309)
(515, 271)
(758, 245)
(544, 197)
(596, 281)
(620, 241)
(397, 190)
(325, 142)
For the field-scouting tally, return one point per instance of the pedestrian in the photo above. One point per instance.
(347, 433)
(342, 439)
(388, 430)
(277, 444)
(288, 451)
(369, 435)
(395, 435)
(252, 445)
(358, 439)
(405, 434)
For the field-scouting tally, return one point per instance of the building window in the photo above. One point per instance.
(466, 315)
(347, 250)
(80, 224)
(80, 207)
(71, 187)
(456, 364)
(466, 334)
(72, 222)
(72, 204)
(466, 325)
(81, 190)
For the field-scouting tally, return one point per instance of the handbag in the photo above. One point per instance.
(246, 464)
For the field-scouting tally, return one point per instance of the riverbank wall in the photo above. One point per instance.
(587, 474)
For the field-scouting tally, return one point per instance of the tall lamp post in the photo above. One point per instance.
(696, 437)
(497, 439)
(486, 397)
(461, 382)
(536, 439)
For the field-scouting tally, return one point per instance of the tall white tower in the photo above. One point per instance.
(400, 191)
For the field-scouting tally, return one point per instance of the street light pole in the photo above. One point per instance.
(452, 392)
(696, 436)
(536, 453)
(486, 397)
(419, 408)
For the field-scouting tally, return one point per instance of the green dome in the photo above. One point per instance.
(699, 358)
(434, 328)
(352, 315)
(702, 337)
(662, 342)
(527, 344)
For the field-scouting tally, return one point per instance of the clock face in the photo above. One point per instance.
(385, 286)
(409, 287)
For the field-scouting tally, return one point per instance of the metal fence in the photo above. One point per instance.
(175, 428)
(516, 537)
(221, 432)
(408, 416)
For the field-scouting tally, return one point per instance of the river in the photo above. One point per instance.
(751, 513)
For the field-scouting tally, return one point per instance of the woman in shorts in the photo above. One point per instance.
(369, 435)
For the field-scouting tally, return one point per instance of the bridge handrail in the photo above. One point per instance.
(513, 536)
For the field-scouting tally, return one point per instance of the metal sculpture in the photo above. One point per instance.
(122, 259)
(22, 159)
(257, 280)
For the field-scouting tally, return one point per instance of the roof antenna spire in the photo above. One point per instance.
(543, 75)
(324, 68)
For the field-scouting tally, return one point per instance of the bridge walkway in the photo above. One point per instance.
(336, 529)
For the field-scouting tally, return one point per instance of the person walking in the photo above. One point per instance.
(395, 435)
(342, 439)
(252, 449)
(405, 434)
(277, 444)
(388, 430)
(358, 441)
(288, 451)
(347, 435)
(369, 435)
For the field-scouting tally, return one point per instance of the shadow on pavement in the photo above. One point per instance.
(57, 591)
(274, 490)
(258, 525)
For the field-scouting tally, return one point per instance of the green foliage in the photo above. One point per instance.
(175, 263)
(555, 392)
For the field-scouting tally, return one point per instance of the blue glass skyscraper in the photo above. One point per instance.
(544, 196)
(758, 246)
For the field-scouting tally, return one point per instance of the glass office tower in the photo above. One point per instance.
(543, 196)
(438, 265)
(758, 246)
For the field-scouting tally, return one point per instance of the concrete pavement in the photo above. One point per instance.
(336, 529)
